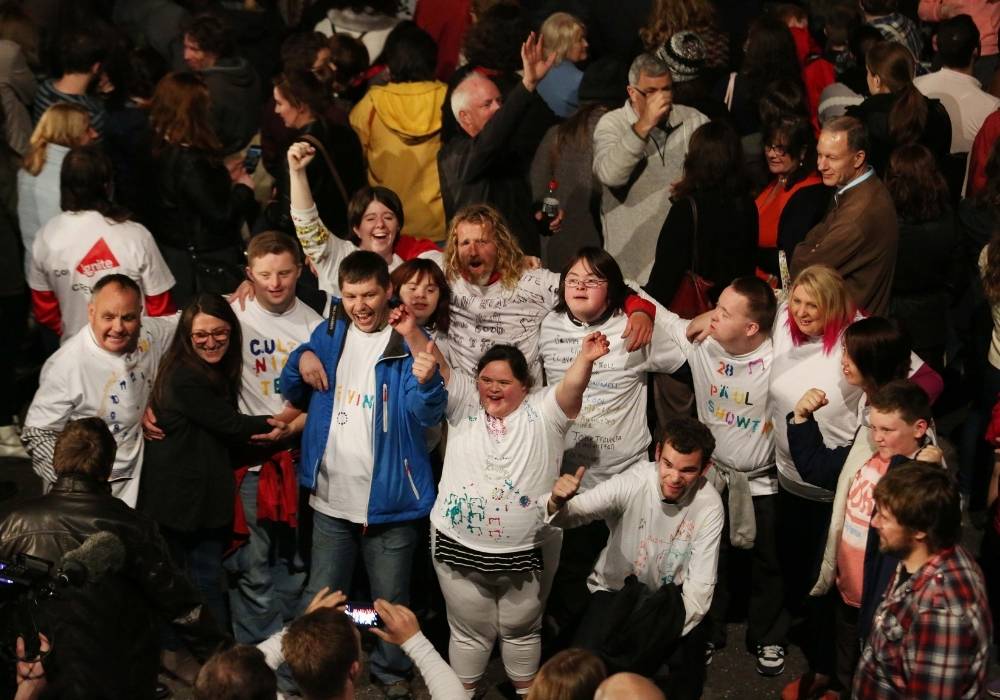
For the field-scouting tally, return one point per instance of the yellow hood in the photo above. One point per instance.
(412, 110)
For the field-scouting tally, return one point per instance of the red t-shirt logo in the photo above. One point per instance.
(97, 259)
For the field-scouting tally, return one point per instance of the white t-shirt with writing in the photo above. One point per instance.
(268, 339)
(659, 542)
(482, 317)
(82, 379)
(76, 249)
(795, 370)
(496, 470)
(345, 475)
(731, 393)
(611, 431)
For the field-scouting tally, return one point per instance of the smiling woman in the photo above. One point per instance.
(187, 485)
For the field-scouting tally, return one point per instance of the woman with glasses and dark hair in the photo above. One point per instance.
(187, 483)
(611, 431)
(794, 200)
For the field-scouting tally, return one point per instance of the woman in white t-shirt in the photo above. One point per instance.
(808, 349)
(493, 553)
(376, 217)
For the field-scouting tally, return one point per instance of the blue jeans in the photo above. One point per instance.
(387, 552)
(263, 590)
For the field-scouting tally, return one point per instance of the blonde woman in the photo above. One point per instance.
(565, 36)
(62, 127)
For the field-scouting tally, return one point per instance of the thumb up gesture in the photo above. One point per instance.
(564, 489)
(425, 364)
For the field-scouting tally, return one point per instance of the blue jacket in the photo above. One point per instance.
(402, 486)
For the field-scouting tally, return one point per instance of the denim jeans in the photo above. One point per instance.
(263, 590)
(387, 552)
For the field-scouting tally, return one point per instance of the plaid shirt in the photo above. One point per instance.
(901, 29)
(931, 634)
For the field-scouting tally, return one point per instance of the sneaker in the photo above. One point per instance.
(397, 690)
(10, 443)
(709, 652)
(770, 659)
(993, 688)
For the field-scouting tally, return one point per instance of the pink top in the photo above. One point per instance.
(857, 521)
(984, 13)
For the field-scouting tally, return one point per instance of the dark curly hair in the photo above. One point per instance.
(918, 188)
(494, 41)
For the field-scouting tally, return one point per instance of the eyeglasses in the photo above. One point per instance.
(776, 148)
(219, 335)
(588, 282)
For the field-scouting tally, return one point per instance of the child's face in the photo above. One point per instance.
(421, 295)
(894, 436)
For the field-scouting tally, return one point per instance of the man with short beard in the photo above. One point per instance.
(666, 521)
(105, 370)
(81, 55)
(931, 635)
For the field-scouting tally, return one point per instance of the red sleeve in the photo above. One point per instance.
(46, 308)
(160, 305)
(980, 153)
(634, 302)
(928, 380)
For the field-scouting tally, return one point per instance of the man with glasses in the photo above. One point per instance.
(105, 370)
(639, 153)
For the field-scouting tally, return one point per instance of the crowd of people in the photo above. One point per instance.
(580, 325)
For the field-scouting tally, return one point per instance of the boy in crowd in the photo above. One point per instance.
(371, 393)
(900, 417)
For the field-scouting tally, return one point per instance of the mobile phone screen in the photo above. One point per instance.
(364, 615)
(252, 158)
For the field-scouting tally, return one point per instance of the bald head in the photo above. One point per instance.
(474, 101)
(628, 686)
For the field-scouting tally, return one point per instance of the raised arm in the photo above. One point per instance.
(569, 391)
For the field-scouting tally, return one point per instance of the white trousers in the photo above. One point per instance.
(483, 607)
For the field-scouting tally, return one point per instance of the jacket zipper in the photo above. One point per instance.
(409, 475)
(385, 429)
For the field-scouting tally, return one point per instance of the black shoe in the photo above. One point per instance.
(770, 659)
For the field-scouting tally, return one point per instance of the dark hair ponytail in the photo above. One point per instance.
(893, 64)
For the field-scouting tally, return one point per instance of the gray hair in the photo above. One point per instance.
(648, 64)
(462, 93)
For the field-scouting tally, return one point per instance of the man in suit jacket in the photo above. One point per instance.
(859, 235)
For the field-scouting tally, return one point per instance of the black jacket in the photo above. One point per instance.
(197, 217)
(342, 145)
(804, 209)
(187, 477)
(874, 113)
(236, 99)
(727, 243)
(485, 169)
(105, 634)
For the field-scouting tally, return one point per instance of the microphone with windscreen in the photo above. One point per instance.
(100, 554)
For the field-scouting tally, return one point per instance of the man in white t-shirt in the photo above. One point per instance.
(106, 370)
(666, 521)
(731, 369)
(273, 324)
(371, 393)
(91, 238)
(496, 299)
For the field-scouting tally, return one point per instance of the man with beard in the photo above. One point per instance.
(666, 522)
(81, 55)
(931, 634)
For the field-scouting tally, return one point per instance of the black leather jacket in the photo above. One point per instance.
(105, 635)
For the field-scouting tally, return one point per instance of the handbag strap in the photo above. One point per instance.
(318, 145)
(694, 235)
(730, 89)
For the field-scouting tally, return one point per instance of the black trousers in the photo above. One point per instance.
(581, 546)
(767, 621)
(685, 657)
(803, 526)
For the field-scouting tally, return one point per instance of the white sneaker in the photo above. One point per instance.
(770, 659)
(10, 443)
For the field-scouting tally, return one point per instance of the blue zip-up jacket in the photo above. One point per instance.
(402, 486)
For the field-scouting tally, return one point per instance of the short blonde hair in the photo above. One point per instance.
(510, 258)
(559, 31)
(63, 124)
